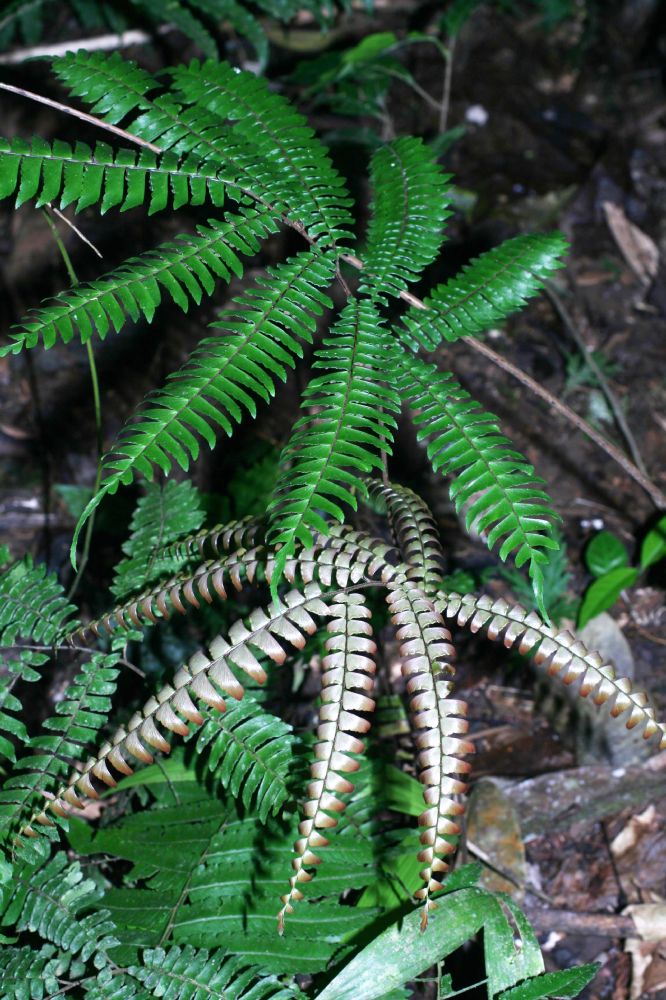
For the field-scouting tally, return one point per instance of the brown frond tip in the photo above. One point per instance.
(439, 723)
(347, 679)
(207, 677)
(560, 653)
(415, 533)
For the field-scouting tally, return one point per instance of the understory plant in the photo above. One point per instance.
(178, 880)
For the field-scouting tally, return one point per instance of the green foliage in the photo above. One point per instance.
(494, 487)
(489, 289)
(205, 837)
(164, 515)
(355, 407)
(607, 559)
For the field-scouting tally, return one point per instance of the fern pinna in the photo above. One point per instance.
(219, 137)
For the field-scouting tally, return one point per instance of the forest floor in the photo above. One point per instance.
(558, 125)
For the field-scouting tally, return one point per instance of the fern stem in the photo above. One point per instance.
(446, 93)
(611, 398)
(82, 115)
(97, 402)
(652, 490)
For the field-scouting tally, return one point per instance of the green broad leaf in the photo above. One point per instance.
(403, 951)
(508, 962)
(604, 592)
(605, 553)
(371, 47)
(654, 544)
(553, 984)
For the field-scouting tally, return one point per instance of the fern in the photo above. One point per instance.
(83, 177)
(353, 425)
(77, 721)
(408, 209)
(225, 376)
(50, 901)
(347, 677)
(488, 290)
(252, 754)
(33, 609)
(494, 487)
(162, 517)
(270, 124)
(184, 268)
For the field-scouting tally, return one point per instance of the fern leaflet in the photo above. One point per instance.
(184, 268)
(84, 177)
(164, 515)
(488, 290)
(408, 210)
(494, 486)
(352, 426)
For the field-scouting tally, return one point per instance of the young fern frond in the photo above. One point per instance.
(562, 655)
(250, 751)
(121, 179)
(270, 124)
(163, 516)
(33, 609)
(439, 723)
(185, 269)
(409, 206)
(493, 286)
(495, 488)
(260, 339)
(415, 534)
(354, 417)
(347, 678)
(75, 726)
(51, 900)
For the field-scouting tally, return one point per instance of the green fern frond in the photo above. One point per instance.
(185, 268)
(164, 515)
(51, 901)
(409, 206)
(24, 17)
(438, 721)
(191, 974)
(173, 12)
(101, 176)
(278, 134)
(260, 339)
(112, 85)
(488, 290)
(494, 486)
(116, 88)
(30, 974)
(252, 753)
(354, 417)
(347, 676)
(76, 724)
(415, 533)
(32, 605)
(33, 609)
(560, 653)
